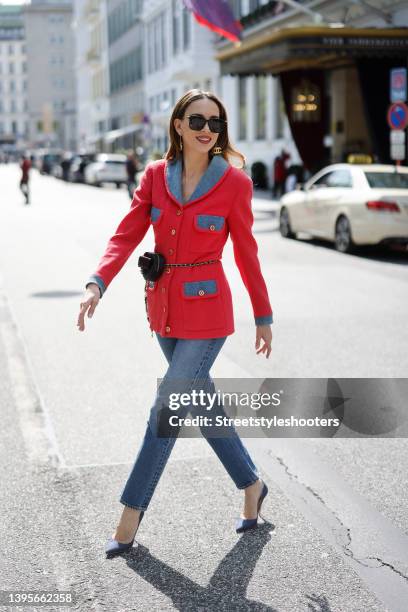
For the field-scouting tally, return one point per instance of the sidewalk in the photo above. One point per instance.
(263, 202)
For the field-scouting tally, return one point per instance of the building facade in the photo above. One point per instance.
(126, 88)
(178, 56)
(90, 26)
(50, 74)
(13, 80)
(332, 64)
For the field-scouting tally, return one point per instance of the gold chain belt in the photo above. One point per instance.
(199, 263)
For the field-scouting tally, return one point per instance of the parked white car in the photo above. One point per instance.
(107, 168)
(350, 205)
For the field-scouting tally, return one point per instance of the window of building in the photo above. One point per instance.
(254, 4)
(24, 66)
(242, 108)
(207, 85)
(163, 35)
(12, 86)
(173, 97)
(260, 105)
(175, 11)
(186, 28)
(11, 68)
(1, 127)
(14, 127)
(13, 106)
(11, 49)
(280, 111)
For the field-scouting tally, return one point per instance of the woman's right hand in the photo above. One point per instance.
(90, 300)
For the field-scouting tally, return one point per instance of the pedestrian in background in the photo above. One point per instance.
(280, 174)
(25, 166)
(132, 167)
(194, 198)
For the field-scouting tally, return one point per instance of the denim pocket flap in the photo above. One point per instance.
(210, 222)
(200, 289)
(155, 214)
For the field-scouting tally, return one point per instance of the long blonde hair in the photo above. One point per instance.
(174, 151)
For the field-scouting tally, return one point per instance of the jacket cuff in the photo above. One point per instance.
(268, 320)
(94, 278)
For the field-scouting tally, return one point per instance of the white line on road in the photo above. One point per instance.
(40, 441)
(370, 543)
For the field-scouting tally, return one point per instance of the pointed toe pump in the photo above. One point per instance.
(245, 524)
(114, 547)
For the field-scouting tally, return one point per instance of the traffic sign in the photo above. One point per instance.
(397, 116)
(398, 84)
(397, 151)
(397, 137)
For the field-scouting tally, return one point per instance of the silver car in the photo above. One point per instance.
(107, 168)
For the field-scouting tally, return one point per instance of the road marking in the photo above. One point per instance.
(369, 542)
(40, 441)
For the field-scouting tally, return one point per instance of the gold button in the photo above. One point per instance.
(173, 231)
(167, 328)
(201, 292)
(171, 251)
(168, 270)
(178, 212)
(212, 227)
(163, 289)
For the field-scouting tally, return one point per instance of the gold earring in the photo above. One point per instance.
(181, 143)
(217, 151)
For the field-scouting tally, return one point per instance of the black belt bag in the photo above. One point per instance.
(151, 265)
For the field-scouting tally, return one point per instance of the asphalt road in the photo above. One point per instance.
(74, 407)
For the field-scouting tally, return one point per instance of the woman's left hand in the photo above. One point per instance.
(263, 332)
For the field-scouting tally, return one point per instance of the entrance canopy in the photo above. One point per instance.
(293, 48)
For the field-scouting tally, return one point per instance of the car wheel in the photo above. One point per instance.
(284, 224)
(342, 239)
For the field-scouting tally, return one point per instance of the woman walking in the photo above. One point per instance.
(194, 198)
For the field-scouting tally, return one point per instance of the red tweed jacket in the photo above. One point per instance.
(191, 302)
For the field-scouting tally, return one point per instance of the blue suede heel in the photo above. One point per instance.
(114, 547)
(245, 524)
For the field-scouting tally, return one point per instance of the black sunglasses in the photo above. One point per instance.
(197, 122)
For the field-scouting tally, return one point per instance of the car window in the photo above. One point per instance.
(387, 180)
(335, 178)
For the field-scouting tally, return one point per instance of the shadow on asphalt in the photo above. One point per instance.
(228, 585)
(372, 252)
(55, 294)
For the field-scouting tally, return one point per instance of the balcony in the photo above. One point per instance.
(93, 56)
(91, 10)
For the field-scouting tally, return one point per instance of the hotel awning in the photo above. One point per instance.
(274, 51)
(129, 129)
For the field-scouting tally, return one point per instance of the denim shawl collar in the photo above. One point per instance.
(216, 169)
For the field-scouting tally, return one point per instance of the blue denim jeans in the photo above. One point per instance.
(189, 362)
